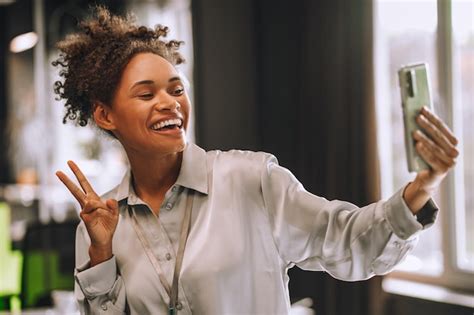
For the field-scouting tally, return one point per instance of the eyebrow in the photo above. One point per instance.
(148, 82)
(143, 82)
(176, 78)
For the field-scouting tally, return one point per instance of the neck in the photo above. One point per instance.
(152, 177)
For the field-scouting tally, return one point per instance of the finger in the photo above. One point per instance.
(92, 205)
(112, 204)
(438, 166)
(81, 178)
(435, 149)
(72, 187)
(90, 217)
(434, 119)
(437, 135)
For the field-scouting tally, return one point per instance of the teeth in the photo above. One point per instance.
(165, 123)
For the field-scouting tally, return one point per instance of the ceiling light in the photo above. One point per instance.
(23, 42)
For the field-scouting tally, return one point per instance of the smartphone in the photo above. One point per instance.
(415, 93)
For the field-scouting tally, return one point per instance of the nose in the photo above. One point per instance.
(167, 103)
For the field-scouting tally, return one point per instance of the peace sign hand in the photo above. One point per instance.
(100, 217)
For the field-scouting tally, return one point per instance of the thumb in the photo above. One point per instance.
(112, 204)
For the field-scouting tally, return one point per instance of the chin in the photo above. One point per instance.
(182, 146)
(176, 147)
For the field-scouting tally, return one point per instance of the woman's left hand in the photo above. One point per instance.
(436, 144)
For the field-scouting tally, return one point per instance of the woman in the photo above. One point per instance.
(191, 231)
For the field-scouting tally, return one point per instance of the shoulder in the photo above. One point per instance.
(233, 160)
(239, 168)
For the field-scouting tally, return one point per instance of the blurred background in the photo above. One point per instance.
(312, 82)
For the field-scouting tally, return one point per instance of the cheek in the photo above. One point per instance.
(131, 122)
(186, 111)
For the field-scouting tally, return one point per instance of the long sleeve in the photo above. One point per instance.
(99, 289)
(349, 242)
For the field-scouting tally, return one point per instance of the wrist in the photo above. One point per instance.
(416, 195)
(99, 253)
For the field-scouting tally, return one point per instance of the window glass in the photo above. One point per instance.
(405, 34)
(463, 48)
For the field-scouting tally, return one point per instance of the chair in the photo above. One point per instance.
(48, 251)
(10, 263)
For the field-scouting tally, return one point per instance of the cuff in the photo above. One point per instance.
(97, 280)
(428, 214)
(401, 220)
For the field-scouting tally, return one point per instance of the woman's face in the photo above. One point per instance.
(150, 109)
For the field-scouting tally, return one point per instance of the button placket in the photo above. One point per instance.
(397, 244)
(160, 243)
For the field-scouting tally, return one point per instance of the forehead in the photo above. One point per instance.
(148, 66)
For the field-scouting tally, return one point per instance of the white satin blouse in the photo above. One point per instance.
(251, 221)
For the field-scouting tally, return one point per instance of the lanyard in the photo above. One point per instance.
(173, 289)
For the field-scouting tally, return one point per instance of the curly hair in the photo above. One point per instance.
(93, 59)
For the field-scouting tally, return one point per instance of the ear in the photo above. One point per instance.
(103, 116)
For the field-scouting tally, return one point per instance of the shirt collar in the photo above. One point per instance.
(193, 173)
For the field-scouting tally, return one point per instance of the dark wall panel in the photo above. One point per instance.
(225, 67)
(4, 167)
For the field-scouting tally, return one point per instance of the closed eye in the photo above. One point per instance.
(147, 96)
(178, 91)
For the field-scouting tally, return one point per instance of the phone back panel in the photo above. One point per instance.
(415, 93)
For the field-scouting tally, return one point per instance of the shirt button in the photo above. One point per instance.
(179, 306)
(175, 188)
(169, 206)
(168, 256)
(103, 307)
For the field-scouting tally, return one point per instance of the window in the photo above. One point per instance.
(440, 33)
(463, 116)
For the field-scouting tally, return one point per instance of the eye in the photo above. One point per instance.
(178, 91)
(146, 96)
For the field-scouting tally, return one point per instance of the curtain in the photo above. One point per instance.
(295, 79)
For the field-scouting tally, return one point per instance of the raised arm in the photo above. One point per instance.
(349, 242)
(355, 243)
(98, 285)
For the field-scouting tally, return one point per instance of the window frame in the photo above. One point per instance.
(452, 189)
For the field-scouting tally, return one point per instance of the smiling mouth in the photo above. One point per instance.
(170, 124)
